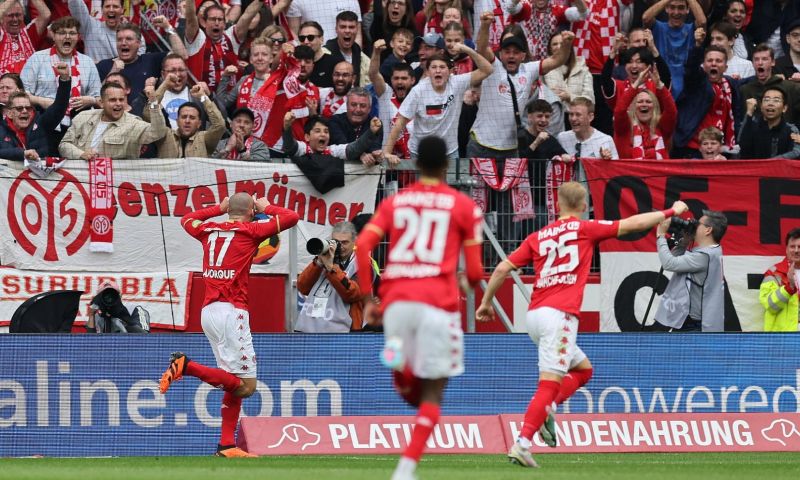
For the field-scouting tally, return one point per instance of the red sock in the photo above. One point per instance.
(407, 385)
(215, 377)
(427, 417)
(537, 409)
(571, 382)
(231, 405)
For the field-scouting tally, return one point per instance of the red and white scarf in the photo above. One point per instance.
(646, 145)
(556, 174)
(515, 178)
(331, 105)
(75, 72)
(235, 155)
(326, 151)
(260, 102)
(216, 56)
(540, 26)
(401, 145)
(14, 51)
(101, 212)
(497, 27)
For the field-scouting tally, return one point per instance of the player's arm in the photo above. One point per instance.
(485, 311)
(282, 219)
(44, 15)
(191, 221)
(367, 240)
(473, 247)
(646, 221)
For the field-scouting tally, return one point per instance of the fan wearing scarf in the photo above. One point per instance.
(242, 144)
(17, 40)
(23, 133)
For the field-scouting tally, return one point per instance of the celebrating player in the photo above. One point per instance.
(228, 250)
(561, 253)
(427, 224)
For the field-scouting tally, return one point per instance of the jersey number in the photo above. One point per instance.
(213, 259)
(559, 250)
(424, 235)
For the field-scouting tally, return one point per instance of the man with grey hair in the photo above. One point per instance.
(347, 127)
(694, 299)
(333, 299)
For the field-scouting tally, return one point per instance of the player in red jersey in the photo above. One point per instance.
(428, 224)
(561, 253)
(228, 249)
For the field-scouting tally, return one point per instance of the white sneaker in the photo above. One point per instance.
(521, 456)
(547, 432)
(392, 354)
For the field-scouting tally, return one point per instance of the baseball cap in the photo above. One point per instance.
(793, 25)
(243, 111)
(514, 41)
(433, 39)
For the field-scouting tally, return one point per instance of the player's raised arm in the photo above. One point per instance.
(646, 221)
(282, 218)
(192, 220)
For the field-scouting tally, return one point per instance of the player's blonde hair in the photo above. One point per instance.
(571, 196)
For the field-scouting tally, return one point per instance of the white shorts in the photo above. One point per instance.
(228, 331)
(433, 342)
(555, 333)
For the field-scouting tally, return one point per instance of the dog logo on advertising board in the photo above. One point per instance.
(299, 434)
(779, 430)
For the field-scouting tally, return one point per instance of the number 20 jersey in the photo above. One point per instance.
(561, 254)
(427, 224)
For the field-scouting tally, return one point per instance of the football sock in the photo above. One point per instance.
(215, 377)
(427, 417)
(571, 382)
(537, 408)
(407, 385)
(231, 405)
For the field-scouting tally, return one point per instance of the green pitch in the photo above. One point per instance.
(705, 466)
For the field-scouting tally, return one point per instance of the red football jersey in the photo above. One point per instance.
(228, 249)
(561, 254)
(427, 226)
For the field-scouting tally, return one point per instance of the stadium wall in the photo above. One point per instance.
(98, 395)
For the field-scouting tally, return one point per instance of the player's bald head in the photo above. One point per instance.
(240, 204)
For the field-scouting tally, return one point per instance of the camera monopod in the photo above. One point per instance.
(652, 297)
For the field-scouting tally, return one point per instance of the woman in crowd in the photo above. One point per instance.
(570, 80)
(389, 15)
(431, 18)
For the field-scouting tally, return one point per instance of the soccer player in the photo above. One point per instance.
(228, 249)
(427, 224)
(561, 253)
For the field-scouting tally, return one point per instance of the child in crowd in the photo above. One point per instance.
(711, 143)
(401, 45)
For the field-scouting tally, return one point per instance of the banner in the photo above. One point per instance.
(760, 198)
(166, 300)
(46, 225)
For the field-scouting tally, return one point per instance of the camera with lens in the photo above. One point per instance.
(682, 228)
(316, 246)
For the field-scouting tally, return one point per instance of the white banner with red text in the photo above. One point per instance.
(46, 226)
(584, 433)
(166, 300)
(760, 198)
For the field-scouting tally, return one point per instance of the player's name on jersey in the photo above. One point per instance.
(558, 229)
(425, 199)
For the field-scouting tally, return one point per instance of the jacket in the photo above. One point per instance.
(754, 89)
(201, 144)
(123, 139)
(758, 141)
(781, 305)
(578, 82)
(346, 290)
(360, 61)
(39, 131)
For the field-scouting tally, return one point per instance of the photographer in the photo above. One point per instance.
(694, 299)
(109, 315)
(333, 299)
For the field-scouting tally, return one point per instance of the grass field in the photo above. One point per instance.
(705, 466)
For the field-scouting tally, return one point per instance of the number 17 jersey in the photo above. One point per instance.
(427, 224)
(561, 254)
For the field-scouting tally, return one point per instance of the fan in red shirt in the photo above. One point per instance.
(228, 249)
(17, 40)
(428, 224)
(561, 254)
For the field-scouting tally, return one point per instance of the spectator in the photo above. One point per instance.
(391, 97)
(247, 91)
(324, 60)
(120, 78)
(736, 14)
(572, 79)
(318, 142)
(431, 18)
(694, 298)
(542, 92)
(23, 133)
(709, 100)
(778, 291)
(789, 64)
(213, 48)
(347, 127)
(710, 140)
(175, 75)
(137, 68)
(673, 38)
(763, 63)
(583, 141)
(100, 34)
(506, 92)
(634, 60)
(435, 104)
(18, 41)
(430, 45)
(643, 37)
(644, 121)
(503, 17)
(769, 136)
(402, 43)
(322, 13)
(334, 100)
(398, 14)
(38, 76)
(723, 35)
(770, 22)
(345, 46)
(188, 140)
(453, 35)
(242, 144)
(110, 132)
(333, 298)
(9, 83)
(596, 33)
(276, 36)
(540, 20)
